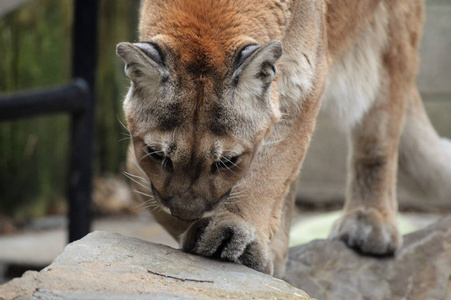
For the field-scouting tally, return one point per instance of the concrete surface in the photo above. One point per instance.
(40, 247)
(435, 64)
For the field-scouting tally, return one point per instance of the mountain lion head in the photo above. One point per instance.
(197, 117)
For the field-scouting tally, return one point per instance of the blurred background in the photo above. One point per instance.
(35, 47)
(36, 51)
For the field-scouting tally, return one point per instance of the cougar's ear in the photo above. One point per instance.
(144, 62)
(255, 67)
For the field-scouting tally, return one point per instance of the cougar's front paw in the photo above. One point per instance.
(368, 232)
(228, 239)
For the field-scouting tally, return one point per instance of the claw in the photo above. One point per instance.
(228, 239)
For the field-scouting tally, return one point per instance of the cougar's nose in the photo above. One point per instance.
(166, 200)
(185, 209)
(186, 214)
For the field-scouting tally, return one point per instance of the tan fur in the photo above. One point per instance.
(212, 96)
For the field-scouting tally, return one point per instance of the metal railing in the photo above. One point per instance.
(76, 99)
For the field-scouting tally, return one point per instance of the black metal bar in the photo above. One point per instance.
(84, 49)
(78, 100)
(71, 98)
(84, 45)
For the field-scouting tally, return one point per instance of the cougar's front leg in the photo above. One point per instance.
(368, 223)
(251, 223)
(229, 236)
(279, 244)
(250, 227)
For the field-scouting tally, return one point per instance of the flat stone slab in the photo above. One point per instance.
(420, 270)
(111, 266)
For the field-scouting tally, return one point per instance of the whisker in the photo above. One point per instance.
(233, 198)
(137, 176)
(230, 150)
(144, 194)
(152, 206)
(120, 122)
(173, 134)
(226, 166)
(163, 161)
(238, 194)
(156, 208)
(150, 153)
(247, 179)
(135, 161)
(232, 162)
(124, 139)
(147, 202)
(137, 182)
(274, 142)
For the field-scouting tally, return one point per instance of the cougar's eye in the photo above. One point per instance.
(159, 156)
(156, 154)
(225, 163)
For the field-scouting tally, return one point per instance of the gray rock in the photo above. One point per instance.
(110, 266)
(420, 270)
